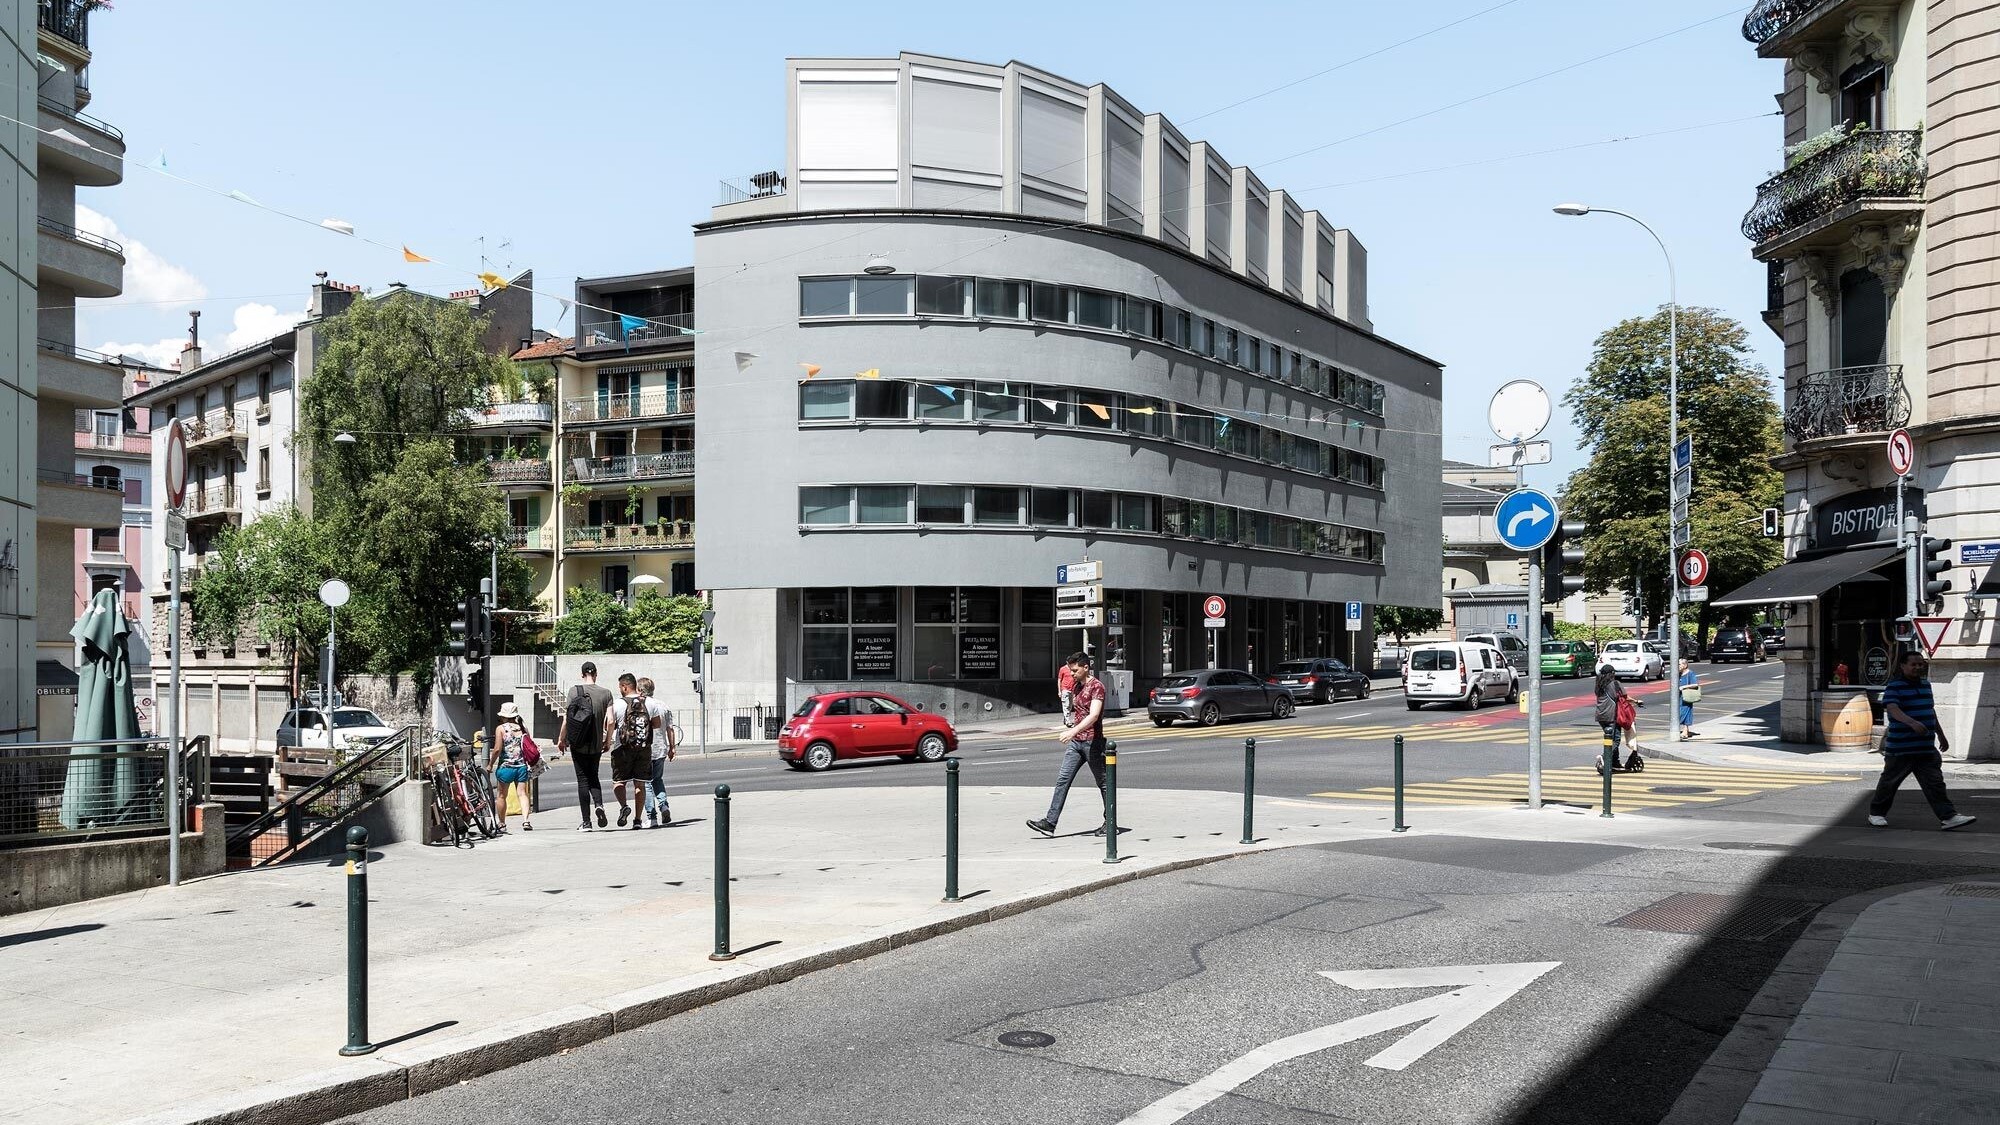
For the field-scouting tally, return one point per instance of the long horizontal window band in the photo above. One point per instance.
(1030, 404)
(982, 298)
(829, 507)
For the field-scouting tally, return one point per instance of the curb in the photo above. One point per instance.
(398, 1075)
(1721, 1089)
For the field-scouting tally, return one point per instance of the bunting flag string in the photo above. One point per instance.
(812, 369)
(410, 255)
(492, 280)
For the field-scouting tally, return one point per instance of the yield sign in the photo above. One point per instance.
(1475, 991)
(1930, 632)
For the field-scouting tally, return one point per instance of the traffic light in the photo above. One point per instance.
(694, 655)
(1562, 562)
(475, 684)
(1772, 527)
(1932, 565)
(469, 630)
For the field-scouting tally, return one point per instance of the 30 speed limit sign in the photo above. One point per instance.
(1694, 568)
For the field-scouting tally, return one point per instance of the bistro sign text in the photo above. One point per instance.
(1860, 518)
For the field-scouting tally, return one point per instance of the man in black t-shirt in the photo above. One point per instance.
(581, 735)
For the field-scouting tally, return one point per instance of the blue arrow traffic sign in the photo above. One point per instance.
(1526, 518)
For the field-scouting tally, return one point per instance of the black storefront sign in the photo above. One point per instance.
(1860, 518)
(874, 652)
(979, 654)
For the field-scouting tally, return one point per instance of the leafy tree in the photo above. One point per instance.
(266, 576)
(662, 624)
(1726, 408)
(594, 622)
(1400, 621)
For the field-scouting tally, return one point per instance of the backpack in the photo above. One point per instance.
(582, 720)
(633, 729)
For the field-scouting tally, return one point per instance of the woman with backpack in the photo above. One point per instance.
(511, 761)
(1616, 715)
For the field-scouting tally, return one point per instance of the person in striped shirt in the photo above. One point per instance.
(1913, 743)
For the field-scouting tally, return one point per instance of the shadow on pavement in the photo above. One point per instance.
(27, 936)
(1636, 1071)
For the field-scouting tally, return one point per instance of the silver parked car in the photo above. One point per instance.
(1210, 695)
(352, 726)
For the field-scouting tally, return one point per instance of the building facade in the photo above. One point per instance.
(117, 446)
(986, 322)
(51, 265)
(1879, 238)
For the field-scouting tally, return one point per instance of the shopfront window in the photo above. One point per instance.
(848, 633)
(957, 633)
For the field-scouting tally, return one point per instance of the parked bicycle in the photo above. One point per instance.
(461, 793)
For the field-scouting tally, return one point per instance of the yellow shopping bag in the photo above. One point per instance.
(514, 801)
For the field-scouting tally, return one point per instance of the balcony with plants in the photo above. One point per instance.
(1847, 402)
(1834, 182)
(657, 535)
(216, 427)
(657, 403)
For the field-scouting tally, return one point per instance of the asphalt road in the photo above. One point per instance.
(1130, 995)
(1343, 745)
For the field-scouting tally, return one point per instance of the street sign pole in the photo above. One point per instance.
(1535, 680)
(174, 719)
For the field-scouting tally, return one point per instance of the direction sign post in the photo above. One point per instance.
(1526, 519)
(1902, 459)
(1354, 617)
(1079, 617)
(1074, 573)
(1212, 609)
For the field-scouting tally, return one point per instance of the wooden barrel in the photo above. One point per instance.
(1845, 720)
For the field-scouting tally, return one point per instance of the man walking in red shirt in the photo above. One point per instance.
(1085, 716)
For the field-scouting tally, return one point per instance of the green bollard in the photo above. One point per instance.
(722, 952)
(1249, 791)
(1610, 767)
(1399, 825)
(951, 829)
(1111, 802)
(357, 944)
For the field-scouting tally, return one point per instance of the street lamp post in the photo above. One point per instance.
(1577, 210)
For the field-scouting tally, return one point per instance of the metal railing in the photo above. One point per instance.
(52, 793)
(121, 443)
(69, 19)
(356, 779)
(75, 114)
(615, 537)
(85, 355)
(633, 466)
(213, 499)
(520, 470)
(216, 424)
(757, 185)
(658, 403)
(1874, 164)
(511, 414)
(1769, 18)
(64, 230)
(80, 480)
(1774, 288)
(610, 328)
(1848, 400)
(528, 539)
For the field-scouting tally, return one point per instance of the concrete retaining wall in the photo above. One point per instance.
(59, 874)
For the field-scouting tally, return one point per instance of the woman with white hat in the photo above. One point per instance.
(510, 764)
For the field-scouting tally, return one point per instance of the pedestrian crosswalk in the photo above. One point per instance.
(1663, 784)
(1414, 734)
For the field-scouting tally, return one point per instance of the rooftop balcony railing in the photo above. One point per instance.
(758, 185)
(1848, 400)
(511, 414)
(69, 19)
(1873, 164)
(659, 403)
(632, 466)
(602, 329)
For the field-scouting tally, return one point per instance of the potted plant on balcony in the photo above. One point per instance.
(635, 502)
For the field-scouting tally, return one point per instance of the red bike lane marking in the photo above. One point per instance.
(1557, 707)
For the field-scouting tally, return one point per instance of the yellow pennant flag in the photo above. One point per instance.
(1103, 415)
(493, 281)
(871, 373)
(410, 255)
(1139, 410)
(812, 369)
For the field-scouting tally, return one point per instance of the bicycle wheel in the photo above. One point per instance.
(445, 804)
(481, 799)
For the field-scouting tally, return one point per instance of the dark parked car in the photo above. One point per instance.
(1318, 680)
(862, 724)
(1210, 695)
(1773, 636)
(1736, 644)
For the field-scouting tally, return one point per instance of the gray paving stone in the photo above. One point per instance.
(1900, 1103)
(1946, 1071)
(1876, 1064)
(1755, 1114)
(1954, 1013)
(1876, 984)
(1855, 1006)
(1933, 1040)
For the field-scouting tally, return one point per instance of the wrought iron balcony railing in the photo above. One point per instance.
(635, 466)
(529, 539)
(658, 403)
(216, 425)
(1848, 400)
(69, 19)
(219, 498)
(521, 470)
(1874, 164)
(510, 414)
(675, 535)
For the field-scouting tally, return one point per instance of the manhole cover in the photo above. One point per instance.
(1743, 919)
(1739, 846)
(1027, 1039)
(1975, 890)
(1680, 790)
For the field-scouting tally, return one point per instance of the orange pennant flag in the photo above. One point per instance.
(410, 255)
(812, 369)
(1103, 415)
(493, 281)
(871, 373)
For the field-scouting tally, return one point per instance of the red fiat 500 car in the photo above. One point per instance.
(862, 724)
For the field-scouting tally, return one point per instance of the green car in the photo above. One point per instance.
(1566, 658)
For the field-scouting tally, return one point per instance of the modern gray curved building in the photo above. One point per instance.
(986, 322)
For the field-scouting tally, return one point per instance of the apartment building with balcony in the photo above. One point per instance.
(1878, 234)
(981, 321)
(50, 265)
(239, 416)
(114, 451)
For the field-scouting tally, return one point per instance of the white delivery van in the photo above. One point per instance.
(1462, 672)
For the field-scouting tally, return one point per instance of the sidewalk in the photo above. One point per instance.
(1750, 739)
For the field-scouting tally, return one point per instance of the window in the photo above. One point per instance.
(882, 504)
(1864, 94)
(1251, 350)
(1004, 300)
(105, 540)
(883, 296)
(1145, 416)
(944, 296)
(616, 580)
(824, 505)
(1100, 509)
(1268, 364)
(106, 476)
(1142, 317)
(821, 296)
(821, 401)
(1135, 512)
(998, 402)
(680, 580)
(943, 401)
(1195, 427)
(996, 505)
(1052, 406)
(1178, 327)
(826, 606)
(879, 399)
(1096, 310)
(264, 470)
(1049, 507)
(938, 503)
(264, 388)
(1051, 303)
(1097, 410)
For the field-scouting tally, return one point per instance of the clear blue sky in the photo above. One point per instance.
(592, 136)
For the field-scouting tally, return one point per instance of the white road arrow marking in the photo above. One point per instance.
(1534, 515)
(1476, 990)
